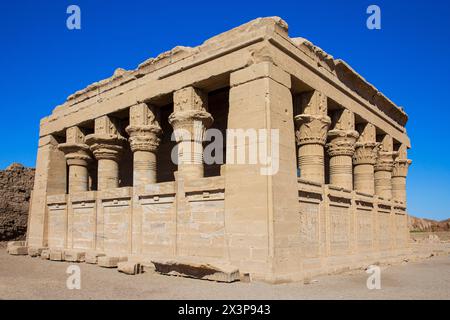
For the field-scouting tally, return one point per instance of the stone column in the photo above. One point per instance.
(106, 145)
(399, 173)
(144, 130)
(383, 168)
(364, 159)
(190, 119)
(341, 149)
(311, 134)
(77, 154)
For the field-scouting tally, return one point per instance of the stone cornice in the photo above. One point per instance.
(352, 80)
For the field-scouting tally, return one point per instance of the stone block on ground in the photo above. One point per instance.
(35, 251)
(148, 267)
(92, 257)
(74, 256)
(216, 271)
(45, 254)
(18, 250)
(12, 244)
(56, 255)
(129, 267)
(110, 261)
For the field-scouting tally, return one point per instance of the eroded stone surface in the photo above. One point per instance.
(129, 267)
(220, 272)
(92, 257)
(56, 255)
(18, 250)
(45, 254)
(74, 256)
(110, 261)
(35, 251)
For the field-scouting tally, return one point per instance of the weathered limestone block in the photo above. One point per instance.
(341, 149)
(56, 255)
(45, 254)
(144, 132)
(129, 267)
(107, 146)
(92, 257)
(311, 134)
(78, 156)
(364, 159)
(189, 120)
(12, 244)
(74, 256)
(148, 266)
(191, 269)
(35, 251)
(110, 261)
(18, 250)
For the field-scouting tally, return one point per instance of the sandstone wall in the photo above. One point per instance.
(16, 183)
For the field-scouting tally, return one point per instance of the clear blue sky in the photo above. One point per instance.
(42, 62)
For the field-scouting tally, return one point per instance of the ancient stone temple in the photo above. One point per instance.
(106, 183)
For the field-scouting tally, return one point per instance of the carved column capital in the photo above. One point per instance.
(144, 137)
(400, 167)
(342, 142)
(106, 146)
(76, 153)
(365, 153)
(385, 161)
(193, 122)
(311, 129)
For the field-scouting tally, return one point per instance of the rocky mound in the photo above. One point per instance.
(419, 224)
(16, 183)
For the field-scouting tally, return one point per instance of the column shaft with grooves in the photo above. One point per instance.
(189, 120)
(365, 158)
(78, 157)
(341, 148)
(144, 131)
(311, 134)
(107, 146)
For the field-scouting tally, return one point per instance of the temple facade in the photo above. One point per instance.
(106, 181)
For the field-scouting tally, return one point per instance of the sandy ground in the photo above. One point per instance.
(22, 277)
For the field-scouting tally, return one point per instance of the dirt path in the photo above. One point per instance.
(22, 277)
